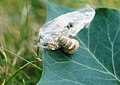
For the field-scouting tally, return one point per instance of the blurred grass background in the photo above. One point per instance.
(20, 20)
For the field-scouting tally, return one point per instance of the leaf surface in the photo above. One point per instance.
(97, 61)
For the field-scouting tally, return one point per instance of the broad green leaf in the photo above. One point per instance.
(97, 62)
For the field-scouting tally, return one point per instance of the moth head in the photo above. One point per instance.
(48, 42)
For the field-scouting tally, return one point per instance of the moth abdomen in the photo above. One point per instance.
(69, 45)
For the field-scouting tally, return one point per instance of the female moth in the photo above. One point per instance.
(60, 31)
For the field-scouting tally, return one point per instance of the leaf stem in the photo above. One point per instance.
(22, 58)
(18, 71)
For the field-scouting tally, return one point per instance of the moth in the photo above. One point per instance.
(62, 30)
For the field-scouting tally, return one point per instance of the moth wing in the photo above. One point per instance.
(86, 15)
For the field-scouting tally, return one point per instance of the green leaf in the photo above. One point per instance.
(97, 61)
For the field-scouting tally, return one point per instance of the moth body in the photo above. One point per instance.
(68, 25)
